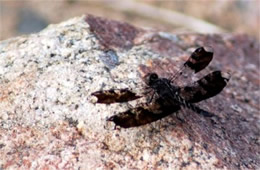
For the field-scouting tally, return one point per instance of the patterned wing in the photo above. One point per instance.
(145, 114)
(198, 60)
(208, 86)
(115, 96)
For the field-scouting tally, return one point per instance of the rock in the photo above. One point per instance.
(49, 119)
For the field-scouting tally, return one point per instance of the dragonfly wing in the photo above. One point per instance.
(206, 87)
(115, 96)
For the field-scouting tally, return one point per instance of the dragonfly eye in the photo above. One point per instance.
(153, 77)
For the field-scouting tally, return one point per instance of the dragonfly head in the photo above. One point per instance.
(150, 78)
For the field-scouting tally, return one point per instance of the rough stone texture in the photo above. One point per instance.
(49, 120)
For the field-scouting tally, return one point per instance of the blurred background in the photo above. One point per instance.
(204, 16)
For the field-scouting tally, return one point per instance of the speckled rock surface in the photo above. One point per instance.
(48, 120)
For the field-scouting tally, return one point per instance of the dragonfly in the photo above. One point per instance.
(167, 97)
